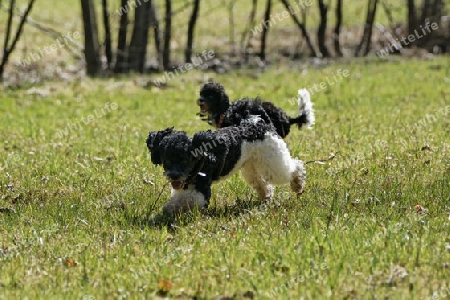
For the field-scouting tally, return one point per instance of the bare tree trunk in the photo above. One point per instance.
(245, 43)
(322, 29)
(154, 21)
(91, 46)
(167, 35)
(412, 16)
(302, 28)
(121, 57)
(337, 28)
(437, 9)
(262, 53)
(8, 50)
(108, 46)
(426, 11)
(139, 39)
(191, 28)
(431, 12)
(366, 40)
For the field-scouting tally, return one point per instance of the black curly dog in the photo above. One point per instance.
(192, 165)
(219, 112)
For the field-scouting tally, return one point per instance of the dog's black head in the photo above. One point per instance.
(213, 99)
(172, 149)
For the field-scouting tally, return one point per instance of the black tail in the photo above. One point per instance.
(300, 120)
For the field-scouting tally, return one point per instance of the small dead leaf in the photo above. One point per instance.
(164, 286)
(70, 262)
(420, 210)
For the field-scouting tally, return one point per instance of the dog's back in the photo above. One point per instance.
(224, 146)
(245, 109)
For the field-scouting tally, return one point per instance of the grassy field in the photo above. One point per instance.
(80, 200)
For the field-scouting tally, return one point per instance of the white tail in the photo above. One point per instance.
(305, 107)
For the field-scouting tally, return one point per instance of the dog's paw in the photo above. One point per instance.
(298, 178)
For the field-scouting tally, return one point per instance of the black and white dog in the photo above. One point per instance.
(216, 108)
(192, 165)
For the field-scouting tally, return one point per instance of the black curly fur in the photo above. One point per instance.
(205, 158)
(213, 90)
(153, 141)
(214, 95)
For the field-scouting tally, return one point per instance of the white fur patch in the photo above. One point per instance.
(269, 162)
(252, 120)
(270, 158)
(182, 201)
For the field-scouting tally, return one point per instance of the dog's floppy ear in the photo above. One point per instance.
(153, 141)
(224, 101)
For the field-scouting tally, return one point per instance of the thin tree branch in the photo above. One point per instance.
(337, 28)
(302, 28)
(191, 28)
(251, 23)
(8, 50)
(262, 53)
(8, 25)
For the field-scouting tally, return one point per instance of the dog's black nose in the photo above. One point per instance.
(200, 100)
(174, 176)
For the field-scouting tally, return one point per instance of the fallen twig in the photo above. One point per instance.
(322, 160)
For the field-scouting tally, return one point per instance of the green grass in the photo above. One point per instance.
(92, 195)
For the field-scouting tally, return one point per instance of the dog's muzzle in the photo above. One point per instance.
(202, 103)
(177, 184)
(177, 180)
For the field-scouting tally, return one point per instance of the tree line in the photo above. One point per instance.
(138, 20)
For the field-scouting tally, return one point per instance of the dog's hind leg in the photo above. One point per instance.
(278, 167)
(255, 180)
(298, 176)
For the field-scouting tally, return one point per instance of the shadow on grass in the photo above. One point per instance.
(238, 209)
(152, 217)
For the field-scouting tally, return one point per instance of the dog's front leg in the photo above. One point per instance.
(182, 201)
